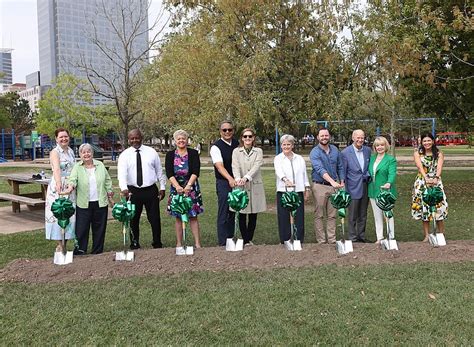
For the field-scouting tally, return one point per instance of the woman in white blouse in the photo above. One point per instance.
(290, 171)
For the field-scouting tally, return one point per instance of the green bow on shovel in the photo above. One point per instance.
(181, 204)
(238, 200)
(290, 201)
(385, 200)
(432, 196)
(63, 209)
(124, 211)
(340, 201)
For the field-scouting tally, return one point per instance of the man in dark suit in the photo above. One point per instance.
(355, 160)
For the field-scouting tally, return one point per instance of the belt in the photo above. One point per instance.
(323, 183)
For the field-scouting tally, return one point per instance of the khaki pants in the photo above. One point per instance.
(321, 195)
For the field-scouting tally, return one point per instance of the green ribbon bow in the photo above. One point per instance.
(123, 211)
(385, 200)
(238, 199)
(340, 201)
(62, 209)
(291, 201)
(432, 196)
(181, 204)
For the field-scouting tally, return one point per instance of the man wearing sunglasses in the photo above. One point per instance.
(221, 155)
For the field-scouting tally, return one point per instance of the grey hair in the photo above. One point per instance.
(226, 122)
(287, 137)
(86, 146)
(180, 132)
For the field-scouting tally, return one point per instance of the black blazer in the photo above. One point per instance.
(194, 163)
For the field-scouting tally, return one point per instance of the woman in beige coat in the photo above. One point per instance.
(246, 163)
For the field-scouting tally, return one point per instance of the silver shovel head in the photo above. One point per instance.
(297, 245)
(230, 245)
(389, 245)
(288, 245)
(180, 251)
(239, 245)
(344, 247)
(62, 259)
(189, 250)
(437, 240)
(125, 256)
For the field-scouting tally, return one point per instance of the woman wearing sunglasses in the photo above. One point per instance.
(246, 162)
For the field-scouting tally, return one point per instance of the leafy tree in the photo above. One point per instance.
(15, 112)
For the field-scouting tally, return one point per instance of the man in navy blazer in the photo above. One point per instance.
(355, 159)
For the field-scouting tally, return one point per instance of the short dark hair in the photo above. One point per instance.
(58, 130)
(324, 128)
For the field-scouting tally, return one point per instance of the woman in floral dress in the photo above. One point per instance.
(62, 160)
(429, 161)
(182, 169)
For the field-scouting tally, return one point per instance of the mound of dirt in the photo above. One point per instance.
(164, 261)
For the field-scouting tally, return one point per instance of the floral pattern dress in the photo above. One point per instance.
(53, 230)
(419, 209)
(182, 175)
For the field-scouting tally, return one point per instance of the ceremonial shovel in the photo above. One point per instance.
(126, 255)
(436, 240)
(63, 257)
(293, 244)
(386, 202)
(186, 250)
(344, 246)
(230, 244)
(237, 200)
(389, 244)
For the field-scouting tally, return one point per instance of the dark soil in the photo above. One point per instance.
(164, 261)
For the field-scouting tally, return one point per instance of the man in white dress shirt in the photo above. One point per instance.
(138, 170)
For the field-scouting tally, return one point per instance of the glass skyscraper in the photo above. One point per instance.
(6, 66)
(67, 29)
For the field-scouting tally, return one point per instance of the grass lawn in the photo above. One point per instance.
(329, 305)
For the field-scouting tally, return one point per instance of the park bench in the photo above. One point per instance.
(21, 199)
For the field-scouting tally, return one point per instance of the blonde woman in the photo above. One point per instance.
(383, 170)
(246, 162)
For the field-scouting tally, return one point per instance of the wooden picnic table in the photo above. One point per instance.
(15, 180)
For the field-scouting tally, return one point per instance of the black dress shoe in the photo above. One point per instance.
(160, 245)
(135, 245)
(78, 251)
(364, 241)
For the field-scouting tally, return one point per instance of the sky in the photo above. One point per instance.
(19, 30)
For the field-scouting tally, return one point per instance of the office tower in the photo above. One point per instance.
(65, 29)
(6, 77)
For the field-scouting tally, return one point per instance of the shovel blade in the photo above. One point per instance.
(342, 247)
(297, 245)
(288, 245)
(230, 245)
(239, 245)
(124, 256)
(180, 251)
(437, 240)
(189, 250)
(62, 259)
(389, 245)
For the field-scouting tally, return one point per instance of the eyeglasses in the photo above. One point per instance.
(227, 130)
(247, 136)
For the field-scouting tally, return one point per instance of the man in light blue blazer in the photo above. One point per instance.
(355, 159)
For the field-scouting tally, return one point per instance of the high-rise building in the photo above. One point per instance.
(65, 29)
(6, 76)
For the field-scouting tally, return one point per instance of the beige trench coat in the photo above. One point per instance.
(244, 164)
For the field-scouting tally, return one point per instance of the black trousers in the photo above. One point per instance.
(148, 197)
(95, 218)
(247, 229)
(225, 217)
(284, 226)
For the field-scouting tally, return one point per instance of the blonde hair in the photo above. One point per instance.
(380, 140)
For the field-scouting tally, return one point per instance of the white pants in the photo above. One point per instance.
(379, 221)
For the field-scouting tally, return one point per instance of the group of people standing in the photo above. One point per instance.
(237, 165)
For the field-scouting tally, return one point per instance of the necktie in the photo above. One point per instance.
(139, 169)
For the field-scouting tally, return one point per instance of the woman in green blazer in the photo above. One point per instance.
(383, 170)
